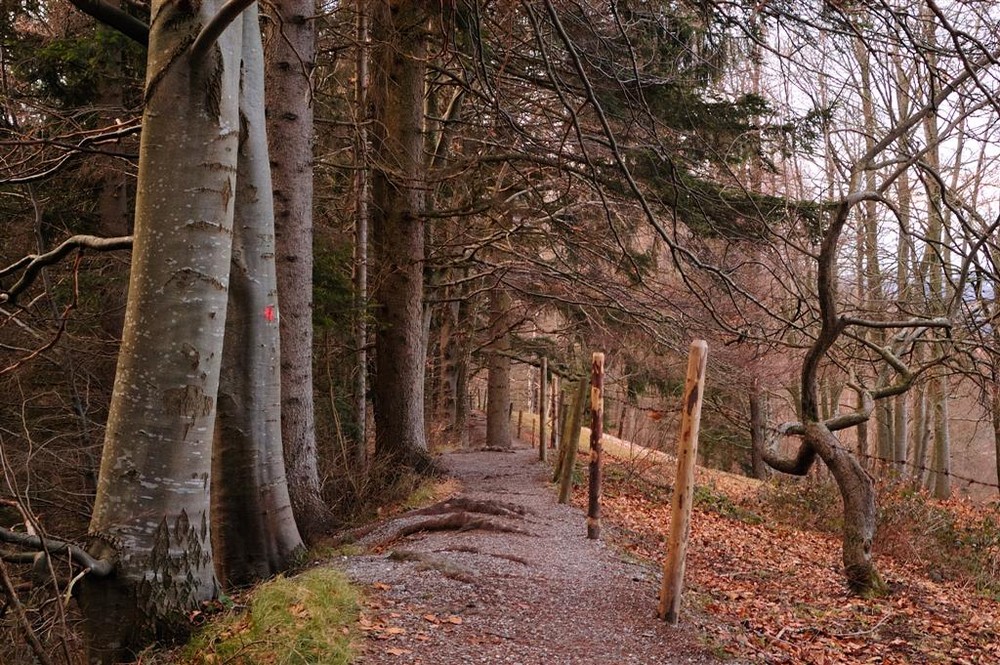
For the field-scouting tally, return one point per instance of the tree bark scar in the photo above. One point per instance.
(190, 401)
(213, 84)
(178, 52)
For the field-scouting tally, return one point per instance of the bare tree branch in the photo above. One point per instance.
(114, 17)
(32, 264)
(97, 567)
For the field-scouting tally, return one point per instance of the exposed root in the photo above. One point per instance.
(462, 503)
(460, 521)
(475, 550)
(427, 561)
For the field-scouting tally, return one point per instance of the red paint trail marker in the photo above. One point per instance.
(270, 313)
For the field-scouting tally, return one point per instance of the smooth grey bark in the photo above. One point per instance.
(360, 451)
(289, 65)
(941, 462)
(396, 94)
(758, 431)
(498, 404)
(921, 436)
(151, 511)
(900, 431)
(254, 534)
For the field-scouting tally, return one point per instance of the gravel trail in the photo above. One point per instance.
(542, 594)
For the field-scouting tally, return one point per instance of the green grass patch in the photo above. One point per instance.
(306, 619)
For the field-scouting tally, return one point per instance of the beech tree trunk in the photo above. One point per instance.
(942, 439)
(253, 530)
(152, 503)
(396, 95)
(921, 436)
(291, 50)
(758, 431)
(857, 491)
(360, 449)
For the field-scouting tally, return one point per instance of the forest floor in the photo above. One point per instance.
(501, 573)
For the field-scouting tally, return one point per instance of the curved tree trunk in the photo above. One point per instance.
(858, 494)
(152, 503)
(291, 49)
(397, 243)
(253, 530)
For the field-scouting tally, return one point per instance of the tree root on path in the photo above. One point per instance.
(463, 503)
(427, 561)
(453, 521)
(460, 521)
(468, 549)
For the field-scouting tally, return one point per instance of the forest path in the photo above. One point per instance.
(542, 593)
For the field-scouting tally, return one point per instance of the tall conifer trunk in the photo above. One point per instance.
(399, 32)
(290, 53)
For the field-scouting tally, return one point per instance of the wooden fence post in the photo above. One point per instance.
(596, 433)
(572, 443)
(542, 406)
(680, 513)
(556, 412)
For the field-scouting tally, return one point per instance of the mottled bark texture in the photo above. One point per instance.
(290, 54)
(396, 96)
(253, 530)
(758, 431)
(152, 505)
(498, 382)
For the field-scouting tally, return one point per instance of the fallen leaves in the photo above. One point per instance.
(401, 628)
(772, 593)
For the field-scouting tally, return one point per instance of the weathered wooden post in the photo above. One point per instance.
(596, 433)
(520, 420)
(556, 413)
(542, 406)
(572, 442)
(680, 514)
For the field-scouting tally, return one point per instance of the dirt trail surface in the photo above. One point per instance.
(521, 585)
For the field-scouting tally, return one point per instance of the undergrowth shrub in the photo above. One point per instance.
(805, 503)
(951, 540)
(948, 540)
